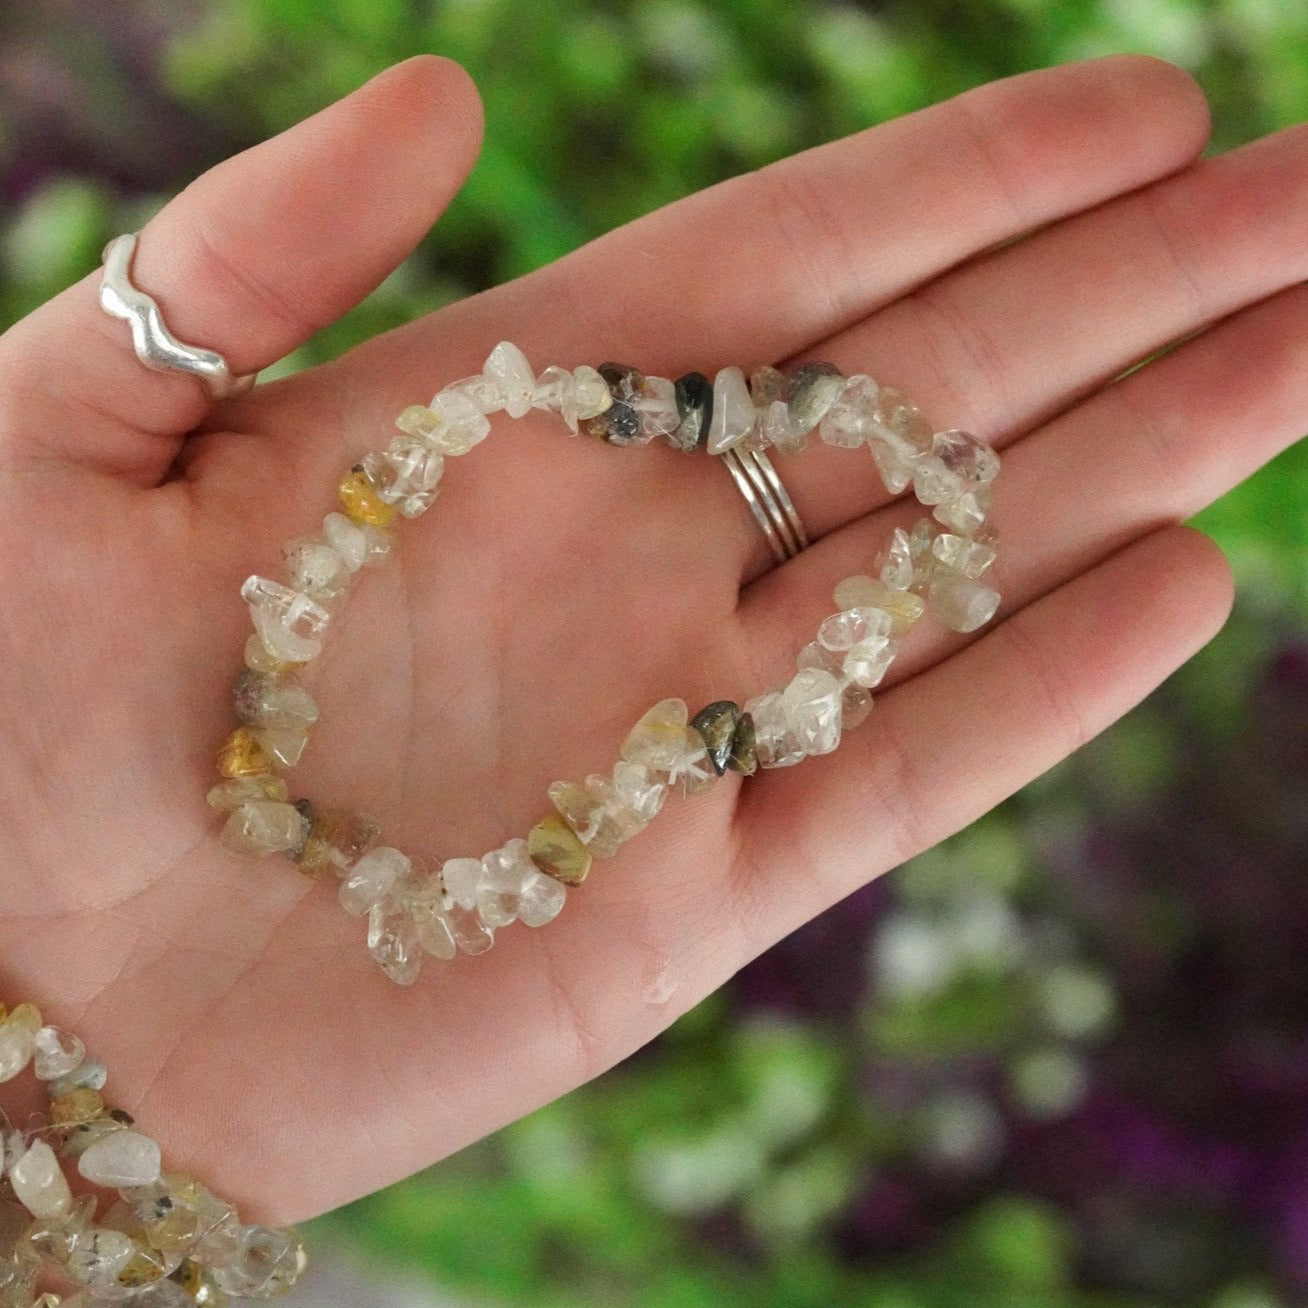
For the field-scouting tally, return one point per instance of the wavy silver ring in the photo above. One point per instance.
(772, 507)
(155, 345)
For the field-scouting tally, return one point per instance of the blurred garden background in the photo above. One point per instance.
(1060, 1061)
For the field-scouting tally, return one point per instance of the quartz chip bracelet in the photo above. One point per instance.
(413, 911)
(163, 1241)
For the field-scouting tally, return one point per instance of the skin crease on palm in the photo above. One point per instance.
(559, 587)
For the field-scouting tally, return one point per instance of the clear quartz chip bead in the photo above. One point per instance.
(470, 933)
(961, 603)
(98, 1257)
(776, 743)
(315, 569)
(733, 411)
(55, 1053)
(265, 827)
(407, 474)
(845, 424)
(815, 655)
(778, 428)
(505, 872)
(372, 878)
(38, 1182)
(867, 662)
(541, 900)
(484, 393)
(656, 407)
(637, 790)
(811, 703)
(265, 1262)
(507, 367)
(393, 937)
(843, 630)
(658, 739)
(556, 392)
(967, 511)
(896, 561)
(855, 705)
(428, 909)
(273, 700)
(461, 878)
(970, 557)
(289, 623)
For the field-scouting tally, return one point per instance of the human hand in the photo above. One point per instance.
(520, 631)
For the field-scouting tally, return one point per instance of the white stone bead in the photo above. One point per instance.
(507, 367)
(847, 422)
(540, 900)
(465, 419)
(593, 394)
(56, 1053)
(866, 663)
(285, 745)
(347, 539)
(899, 425)
(733, 411)
(121, 1158)
(16, 1049)
(373, 876)
(777, 744)
(461, 877)
(289, 623)
(39, 1183)
(811, 703)
(961, 603)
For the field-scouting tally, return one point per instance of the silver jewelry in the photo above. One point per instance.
(772, 507)
(155, 345)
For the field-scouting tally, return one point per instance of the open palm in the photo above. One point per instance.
(559, 587)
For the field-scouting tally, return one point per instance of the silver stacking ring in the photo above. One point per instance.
(773, 509)
(155, 345)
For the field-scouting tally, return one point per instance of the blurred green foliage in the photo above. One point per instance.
(715, 1168)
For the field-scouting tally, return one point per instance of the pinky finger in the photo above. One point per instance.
(947, 745)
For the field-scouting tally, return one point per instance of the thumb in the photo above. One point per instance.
(250, 260)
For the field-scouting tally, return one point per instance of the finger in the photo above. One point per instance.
(1007, 340)
(944, 747)
(250, 260)
(760, 266)
(1156, 447)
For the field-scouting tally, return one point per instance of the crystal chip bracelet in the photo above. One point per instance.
(167, 1242)
(460, 905)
